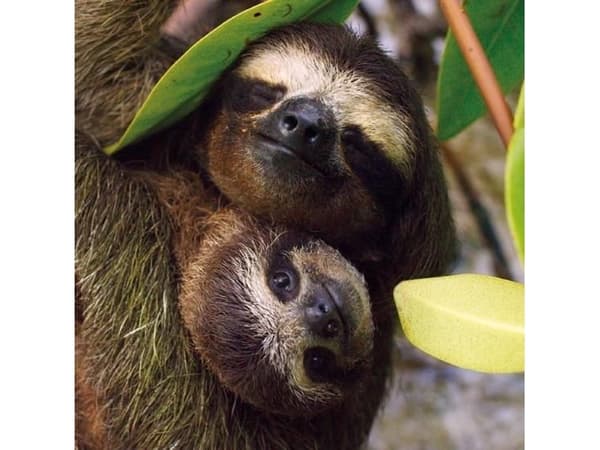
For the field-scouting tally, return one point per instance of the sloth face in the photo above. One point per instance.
(316, 119)
(282, 320)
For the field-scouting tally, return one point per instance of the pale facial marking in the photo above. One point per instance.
(318, 259)
(352, 99)
(314, 258)
(273, 319)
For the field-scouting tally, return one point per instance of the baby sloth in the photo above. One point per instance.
(281, 318)
(278, 324)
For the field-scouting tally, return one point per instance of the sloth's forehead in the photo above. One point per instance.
(354, 99)
(300, 70)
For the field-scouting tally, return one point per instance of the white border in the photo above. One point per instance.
(36, 324)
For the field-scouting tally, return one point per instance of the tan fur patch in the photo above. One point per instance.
(353, 99)
(265, 308)
(324, 260)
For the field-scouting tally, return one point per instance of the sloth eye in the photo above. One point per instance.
(284, 283)
(282, 280)
(250, 95)
(262, 95)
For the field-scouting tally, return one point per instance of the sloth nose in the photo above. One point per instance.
(306, 126)
(323, 316)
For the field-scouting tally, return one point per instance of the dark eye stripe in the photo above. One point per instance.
(249, 95)
(265, 93)
(370, 164)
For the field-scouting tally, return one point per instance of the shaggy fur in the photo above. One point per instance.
(118, 58)
(253, 341)
(139, 383)
(385, 206)
(385, 202)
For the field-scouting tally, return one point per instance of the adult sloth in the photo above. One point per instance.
(314, 128)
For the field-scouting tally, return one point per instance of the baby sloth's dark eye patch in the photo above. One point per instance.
(283, 279)
(249, 95)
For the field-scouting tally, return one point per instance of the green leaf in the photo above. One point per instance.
(514, 193)
(471, 321)
(183, 87)
(499, 24)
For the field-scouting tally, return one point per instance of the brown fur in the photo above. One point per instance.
(223, 300)
(239, 180)
(406, 223)
(139, 384)
(119, 57)
(138, 359)
(399, 228)
(117, 61)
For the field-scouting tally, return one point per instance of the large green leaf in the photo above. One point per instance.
(514, 193)
(499, 24)
(471, 321)
(183, 87)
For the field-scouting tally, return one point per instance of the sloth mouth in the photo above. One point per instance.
(275, 147)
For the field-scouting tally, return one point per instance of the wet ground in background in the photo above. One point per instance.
(433, 406)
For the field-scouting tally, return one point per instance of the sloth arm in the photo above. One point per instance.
(133, 230)
(126, 300)
(121, 254)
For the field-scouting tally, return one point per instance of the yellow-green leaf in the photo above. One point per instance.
(472, 321)
(183, 87)
(514, 193)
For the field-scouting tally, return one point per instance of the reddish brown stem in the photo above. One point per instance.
(480, 67)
